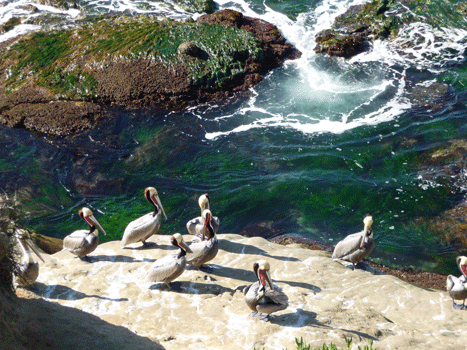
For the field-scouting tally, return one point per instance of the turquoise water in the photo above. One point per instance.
(320, 143)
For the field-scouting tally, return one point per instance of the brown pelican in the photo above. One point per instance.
(262, 296)
(196, 226)
(205, 248)
(141, 229)
(27, 270)
(357, 246)
(171, 266)
(83, 242)
(457, 286)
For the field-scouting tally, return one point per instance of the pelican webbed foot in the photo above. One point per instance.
(459, 306)
(254, 314)
(85, 258)
(206, 268)
(264, 317)
(148, 244)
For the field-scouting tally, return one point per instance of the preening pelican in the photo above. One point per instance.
(196, 226)
(357, 246)
(262, 296)
(27, 270)
(141, 229)
(83, 242)
(171, 266)
(205, 248)
(457, 286)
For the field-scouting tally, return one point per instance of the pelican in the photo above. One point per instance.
(262, 296)
(171, 266)
(141, 229)
(83, 242)
(205, 248)
(27, 270)
(357, 246)
(457, 286)
(196, 226)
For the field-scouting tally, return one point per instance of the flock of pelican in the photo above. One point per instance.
(262, 296)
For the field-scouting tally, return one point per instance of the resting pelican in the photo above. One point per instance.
(357, 246)
(27, 270)
(171, 266)
(262, 296)
(83, 242)
(196, 226)
(457, 286)
(141, 229)
(205, 248)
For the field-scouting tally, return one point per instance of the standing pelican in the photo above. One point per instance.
(457, 286)
(83, 242)
(171, 266)
(196, 226)
(262, 296)
(357, 246)
(141, 229)
(27, 270)
(205, 248)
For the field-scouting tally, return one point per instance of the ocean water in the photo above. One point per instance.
(318, 144)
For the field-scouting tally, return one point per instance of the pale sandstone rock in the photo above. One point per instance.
(208, 311)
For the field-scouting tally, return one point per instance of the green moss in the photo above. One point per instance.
(60, 60)
(64, 4)
(10, 24)
(200, 6)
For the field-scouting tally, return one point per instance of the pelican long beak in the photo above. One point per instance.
(204, 232)
(362, 240)
(93, 221)
(185, 246)
(159, 204)
(34, 249)
(264, 278)
(462, 262)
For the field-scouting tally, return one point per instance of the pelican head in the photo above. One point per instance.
(207, 223)
(367, 222)
(86, 215)
(203, 202)
(26, 243)
(153, 197)
(261, 269)
(177, 240)
(462, 264)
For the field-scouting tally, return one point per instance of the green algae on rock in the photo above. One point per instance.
(132, 62)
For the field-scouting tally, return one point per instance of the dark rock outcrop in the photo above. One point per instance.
(353, 31)
(62, 82)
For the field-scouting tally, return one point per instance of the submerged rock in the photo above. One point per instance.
(61, 82)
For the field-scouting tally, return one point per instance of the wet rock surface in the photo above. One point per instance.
(131, 83)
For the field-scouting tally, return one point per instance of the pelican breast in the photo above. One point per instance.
(27, 273)
(141, 228)
(196, 226)
(203, 251)
(167, 268)
(81, 242)
(457, 287)
(354, 247)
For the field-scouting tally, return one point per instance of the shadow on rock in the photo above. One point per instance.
(58, 291)
(240, 248)
(229, 272)
(114, 258)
